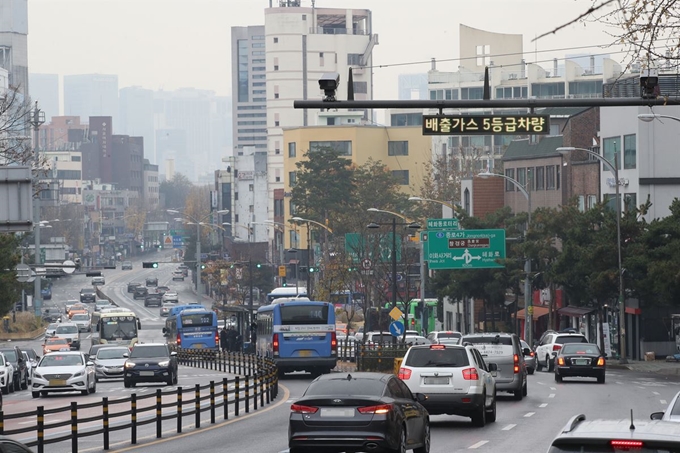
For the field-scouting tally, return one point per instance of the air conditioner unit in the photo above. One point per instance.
(512, 77)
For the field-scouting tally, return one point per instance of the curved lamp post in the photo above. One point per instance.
(528, 301)
(309, 255)
(614, 168)
(649, 117)
(443, 203)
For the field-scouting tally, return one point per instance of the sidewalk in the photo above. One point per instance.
(656, 366)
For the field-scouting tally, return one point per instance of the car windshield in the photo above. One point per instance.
(61, 360)
(52, 326)
(580, 348)
(442, 335)
(441, 357)
(10, 354)
(67, 329)
(80, 317)
(343, 387)
(86, 291)
(488, 340)
(112, 353)
(149, 351)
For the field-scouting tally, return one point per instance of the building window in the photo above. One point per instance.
(629, 202)
(235, 196)
(69, 174)
(292, 151)
(250, 187)
(360, 87)
(540, 178)
(242, 70)
(401, 176)
(592, 201)
(276, 67)
(276, 40)
(75, 158)
(353, 59)
(522, 177)
(343, 146)
(581, 203)
(550, 177)
(259, 68)
(276, 95)
(257, 37)
(276, 123)
(397, 148)
(278, 207)
(291, 178)
(629, 152)
(509, 186)
(612, 145)
(235, 218)
(291, 207)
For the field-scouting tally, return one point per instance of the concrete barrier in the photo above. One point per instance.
(22, 336)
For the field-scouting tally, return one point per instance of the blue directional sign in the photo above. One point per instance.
(177, 242)
(397, 328)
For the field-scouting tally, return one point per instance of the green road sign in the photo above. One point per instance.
(443, 224)
(465, 249)
(357, 249)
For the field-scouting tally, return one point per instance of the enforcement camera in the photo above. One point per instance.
(329, 83)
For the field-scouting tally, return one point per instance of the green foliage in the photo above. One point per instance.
(175, 191)
(10, 288)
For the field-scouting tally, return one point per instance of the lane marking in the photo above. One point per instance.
(553, 388)
(664, 402)
(655, 393)
(552, 395)
(543, 405)
(529, 414)
(478, 444)
(508, 428)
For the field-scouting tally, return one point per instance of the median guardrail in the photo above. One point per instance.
(254, 386)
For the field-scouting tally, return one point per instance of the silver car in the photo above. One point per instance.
(109, 362)
(51, 329)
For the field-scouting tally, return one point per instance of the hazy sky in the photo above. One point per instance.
(168, 44)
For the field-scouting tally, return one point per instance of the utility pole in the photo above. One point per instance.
(37, 119)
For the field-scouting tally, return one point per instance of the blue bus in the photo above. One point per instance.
(193, 328)
(286, 291)
(298, 336)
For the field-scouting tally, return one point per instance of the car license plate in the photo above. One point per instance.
(199, 346)
(146, 373)
(436, 381)
(305, 353)
(57, 382)
(581, 361)
(333, 412)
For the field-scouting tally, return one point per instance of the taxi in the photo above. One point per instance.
(77, 308)
(56, 344)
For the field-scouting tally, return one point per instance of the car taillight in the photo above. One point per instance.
(275, 344)
(557, 347)
(300, 409)
(437, 346)
(600, 361)
(560, 361)
(532, 353)
(515, 360)
(334, 342)
(470, 374)
(217, 338)
(404, 374)
(179, 340)
(381, 409)
(626, 444)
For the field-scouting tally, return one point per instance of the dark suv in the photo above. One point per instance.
(140, 292)
(132, 285)
(153, 299)
(88, 295)
(150, 362)
(16, 358)
(151, 281)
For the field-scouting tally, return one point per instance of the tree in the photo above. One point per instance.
(647, 29)
(174, 192)
(15, 129)
(10, 288)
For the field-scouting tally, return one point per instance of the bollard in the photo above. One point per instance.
(212, 402)
(179, 409)
(255, 382)
(159, 417)
(247, 395)
(236, 395)
(197, 406)
(261, 377)
(41, 429)
(133, 418)
(268, 385)
(225, 398)
(74, 426)
(2, 422)
(105, 421)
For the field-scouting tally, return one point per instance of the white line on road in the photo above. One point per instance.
(553, 388)
(619, 382)
(529, 414)
(543, 405)
(664, 402)
(552, 395)
(656, 393)
(508, 428)
(478, 444)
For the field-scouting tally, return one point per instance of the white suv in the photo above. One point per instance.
(550, 344)
(455, 379)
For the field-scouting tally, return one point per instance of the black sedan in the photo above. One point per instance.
(150, 362)
(358, 412)
(580, 359)
(140, 292)
(132, 285)
(153, 299)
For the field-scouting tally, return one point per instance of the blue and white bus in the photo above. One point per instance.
(193, 328)
(298, 336)
(286, 291)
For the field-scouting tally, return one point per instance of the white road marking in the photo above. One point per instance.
(508, 428)
(529, 414)
(655, 393)
(543, 405)
(552, 395)
(478, 444)
(619, 382)
(553, 388)
(663, 402)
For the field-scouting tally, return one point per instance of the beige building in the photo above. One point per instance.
(404, 150)
(67, 170)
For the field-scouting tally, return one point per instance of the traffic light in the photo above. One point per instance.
(258, 265)
(283, 282)
(312, 269)
(202, 266)
(150, 265)
(413, 322)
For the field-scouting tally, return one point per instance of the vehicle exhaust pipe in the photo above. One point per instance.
(371, 445)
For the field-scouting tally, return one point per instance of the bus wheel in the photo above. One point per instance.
(281, 372)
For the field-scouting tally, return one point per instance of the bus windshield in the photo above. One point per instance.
(197, 320)
(125, 329)
(304, 314)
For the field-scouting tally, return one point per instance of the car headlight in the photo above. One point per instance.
(129, 364)
(164, 364)
(79, 373)
(37, 375)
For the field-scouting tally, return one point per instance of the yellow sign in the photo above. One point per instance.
(396, 314)
(282, 271)
(486, 124)
(530, 309)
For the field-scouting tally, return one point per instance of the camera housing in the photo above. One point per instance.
(329, 83)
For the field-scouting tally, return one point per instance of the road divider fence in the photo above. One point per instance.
(254, 385)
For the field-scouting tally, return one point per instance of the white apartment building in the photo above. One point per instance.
(14, 42)
(152, 185)
(67, 169)
(250, 204)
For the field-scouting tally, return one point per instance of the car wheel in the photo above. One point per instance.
(401, 447)
(6, 389)
(176, 379)
(94, 386)
(171, 379)
(479, 419)
(17, 385)
(35, 394)
(600, 379)
(518, 394)
(426, 440)
(530, 370)
(558, 378)
(549, 364)
(87, 389)
(127, 384)
(24, 385)
(491, 412)
(538, 364)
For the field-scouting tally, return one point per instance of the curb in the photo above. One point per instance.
(38, 333)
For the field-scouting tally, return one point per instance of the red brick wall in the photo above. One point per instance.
(488, 195)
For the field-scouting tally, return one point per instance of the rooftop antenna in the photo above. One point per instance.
(349, 378)
(632, 426)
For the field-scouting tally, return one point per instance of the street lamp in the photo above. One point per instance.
(649, 117)
(407, 223)
(198, 223)
(37, 118)
(528, 301)
(443, 203)
(614, 168)
(309, 259)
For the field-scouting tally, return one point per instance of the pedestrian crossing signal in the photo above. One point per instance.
(150, 265)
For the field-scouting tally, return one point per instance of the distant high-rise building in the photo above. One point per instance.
(413, 86)
(87, 95)
(137, 116)
(13, 42)
(171, 146)
(44, 88)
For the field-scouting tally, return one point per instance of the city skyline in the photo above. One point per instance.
(163, 59)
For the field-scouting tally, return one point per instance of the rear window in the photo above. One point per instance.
(448, 357)
(304, 314)
(580, 348)
(488, 340)
(67, 329)
(564, 339)
(343, 387)
(443, 335)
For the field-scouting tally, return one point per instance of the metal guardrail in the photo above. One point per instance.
(255, 384)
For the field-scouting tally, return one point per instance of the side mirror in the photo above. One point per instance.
(492, 366)
(139, 324)
(35, 365)
(165, 330)
(526, 351)
(89, 363)
(420, 397)
(656, 416)
(173, 354)
(126, 355)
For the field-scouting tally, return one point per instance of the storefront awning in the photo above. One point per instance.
(576, 312)
(538, 312)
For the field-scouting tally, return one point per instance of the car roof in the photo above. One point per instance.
(626, 429)
(354, 376)
(68, 324)
(149, 344)
(68, 352)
